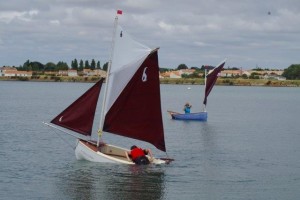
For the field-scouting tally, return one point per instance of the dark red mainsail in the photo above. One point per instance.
(211, 79)
(79, 116)
(136, 112)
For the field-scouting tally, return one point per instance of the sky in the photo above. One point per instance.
(248, 33)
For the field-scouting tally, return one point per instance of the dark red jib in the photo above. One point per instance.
(79, 116)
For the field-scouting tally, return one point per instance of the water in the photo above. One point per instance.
(248, 149)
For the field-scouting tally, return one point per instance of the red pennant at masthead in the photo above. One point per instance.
(119, 12)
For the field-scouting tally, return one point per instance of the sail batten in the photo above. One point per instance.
(79, 116)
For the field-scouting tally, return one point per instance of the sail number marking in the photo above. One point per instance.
(144, 77)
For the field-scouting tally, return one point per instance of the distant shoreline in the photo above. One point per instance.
(173, 81)
(234, 82)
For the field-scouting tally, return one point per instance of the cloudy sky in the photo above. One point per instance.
(248, 33)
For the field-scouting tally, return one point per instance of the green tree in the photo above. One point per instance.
(81, 65)
(37, 66)
(182, 66)
(258, 69)
(162, 70)
(292, 72)
(61, 66)
(74, 64)
(50, 66)
(93, 64)
(232, 68)
(254, 75)
(98, 65)
(26, 66)
(105, 66)
(86, 65)
(244, 76)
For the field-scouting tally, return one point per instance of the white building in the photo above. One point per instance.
(11, 72)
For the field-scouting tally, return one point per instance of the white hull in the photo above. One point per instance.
(106, 154)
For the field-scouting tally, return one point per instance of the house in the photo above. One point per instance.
(12, 71)
(95, 72)
(231, 73)
(186, 71)
(88, 72)
(72, 72)
(177, 73)
(275, 72)
(260, 73)
(274, 77)
(100, 72)
(171, 74)
(247, 73)
(63, 72)
(69, 72)
(165, 74)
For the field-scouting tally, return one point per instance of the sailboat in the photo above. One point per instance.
(131, 104)
(210, 80)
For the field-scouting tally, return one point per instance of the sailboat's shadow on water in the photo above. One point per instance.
(87, 180)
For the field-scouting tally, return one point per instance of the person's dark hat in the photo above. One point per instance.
(133, 147)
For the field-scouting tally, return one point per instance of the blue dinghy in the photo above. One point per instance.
(200, 116)
(210, 80)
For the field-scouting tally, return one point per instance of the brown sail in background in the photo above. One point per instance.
(211, 79)
(79, 116)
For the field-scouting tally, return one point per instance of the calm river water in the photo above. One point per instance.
(248, 149)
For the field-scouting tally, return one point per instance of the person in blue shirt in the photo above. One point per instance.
(187, 108)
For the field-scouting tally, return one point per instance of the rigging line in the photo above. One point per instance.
(61, 130)
(167, 155)
(67, 142)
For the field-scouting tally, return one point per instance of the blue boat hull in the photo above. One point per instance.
(210, 80)
(200, 116)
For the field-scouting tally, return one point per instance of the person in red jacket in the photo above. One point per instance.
(138, 155)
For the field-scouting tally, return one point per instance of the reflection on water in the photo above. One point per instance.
(86, 180)
(136, 182)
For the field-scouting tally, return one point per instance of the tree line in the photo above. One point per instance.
(291, 73)
(50, 66)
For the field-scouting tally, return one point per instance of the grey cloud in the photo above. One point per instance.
(195, 32)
